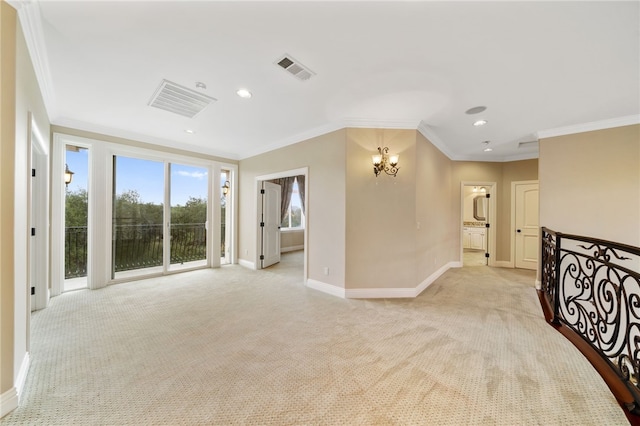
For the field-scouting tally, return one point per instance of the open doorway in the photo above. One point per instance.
(287, 219)
(478, 224)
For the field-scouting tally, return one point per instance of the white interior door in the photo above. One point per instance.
(270, 224)
(526, 225)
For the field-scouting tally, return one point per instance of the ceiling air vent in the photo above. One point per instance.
(295, 68)
(179, 99)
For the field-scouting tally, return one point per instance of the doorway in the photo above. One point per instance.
(477, 246)
(289, 219)
(38, 219)
(525, 220)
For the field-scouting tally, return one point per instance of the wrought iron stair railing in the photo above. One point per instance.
(590, 291)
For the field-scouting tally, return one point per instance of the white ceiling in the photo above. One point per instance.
(537, 66)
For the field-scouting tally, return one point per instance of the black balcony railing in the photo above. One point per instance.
(138, 246)
(591, 294)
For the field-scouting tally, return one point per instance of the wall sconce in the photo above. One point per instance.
(68, 175)
(383, 162)
(225, 188)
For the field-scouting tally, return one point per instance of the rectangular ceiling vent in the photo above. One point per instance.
(179, 99)
(295, 68)
(530, 144)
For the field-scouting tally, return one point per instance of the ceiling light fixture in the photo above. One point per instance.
(191, 132)
(480, 123)
(244, 93)
(486, 144)
(475, 110)
(200, 85)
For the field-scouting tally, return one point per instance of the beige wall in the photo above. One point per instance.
(380, 212)
(503, 174)
(590, 184)
(7, 192)
(291, 240)
(439, 232)
(325, 158)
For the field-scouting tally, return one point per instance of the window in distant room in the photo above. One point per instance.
(294, 215)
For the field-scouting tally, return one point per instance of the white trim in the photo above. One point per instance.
(589, 127)
(309, 134)
(257, 209)
(437, 274)
(31, 22)
(326, 288)
(538, 284)
(247, 264)
(368, 123)
(22, 374)
(435, 140)
(388, 293)
(493, 206)
(292, 248)
(8, 402)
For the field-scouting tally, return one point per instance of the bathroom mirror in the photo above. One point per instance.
(478, 207)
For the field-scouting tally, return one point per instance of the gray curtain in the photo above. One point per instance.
(301, 190)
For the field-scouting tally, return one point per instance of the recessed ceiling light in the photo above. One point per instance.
(488, 149)
(200, 85)
(480, 123)
(476, 110)
(244, 93)
(190, 131)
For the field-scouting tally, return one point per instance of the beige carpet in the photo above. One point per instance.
(233, 346)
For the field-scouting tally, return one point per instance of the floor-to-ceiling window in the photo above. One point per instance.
(137, 212)
(188, 229)
(137, 217)
(76, 213)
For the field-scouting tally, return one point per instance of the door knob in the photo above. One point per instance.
(519, 230)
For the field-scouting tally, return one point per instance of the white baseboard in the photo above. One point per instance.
(22, 374)
(326, 288)
(8, 402)
(538, 284)
(380, 293)
(246, 264)
(292, 248)
(388, 293)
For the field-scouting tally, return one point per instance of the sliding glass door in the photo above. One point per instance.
(188, 224)
(138, 217)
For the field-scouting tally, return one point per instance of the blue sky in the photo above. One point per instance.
(146, 177)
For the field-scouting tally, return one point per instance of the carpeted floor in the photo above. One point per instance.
(233, 346)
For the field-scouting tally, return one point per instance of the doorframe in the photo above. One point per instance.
(491, 240)
(512, 228)
(38, 157)
(257, 211)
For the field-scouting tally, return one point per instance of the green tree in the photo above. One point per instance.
(76, 208)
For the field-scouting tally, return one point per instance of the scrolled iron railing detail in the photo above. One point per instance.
(594, 288)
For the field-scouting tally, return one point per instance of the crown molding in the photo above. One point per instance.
(589, 127)
(431, 135)
(31, 22)
(367, 123)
